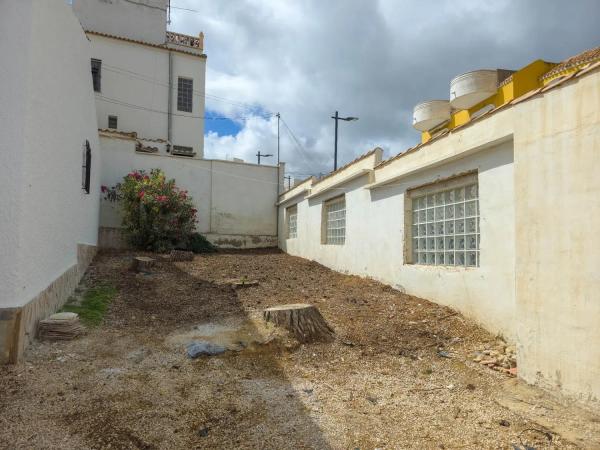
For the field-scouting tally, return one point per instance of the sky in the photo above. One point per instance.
(373, 59)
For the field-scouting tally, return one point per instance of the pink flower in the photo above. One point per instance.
(103, 189)
(141, 194)
(161, 198)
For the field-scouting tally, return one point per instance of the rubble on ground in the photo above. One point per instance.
(501, 357)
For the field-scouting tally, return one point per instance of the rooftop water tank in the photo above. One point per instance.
(430, 114)
(470, 88)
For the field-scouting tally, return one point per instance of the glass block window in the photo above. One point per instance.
(445, 227)
(335, 221)
(185, 93)
(292, 222)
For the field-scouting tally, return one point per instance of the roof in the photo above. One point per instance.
(148, 44)
(585, 57)
(527, 96)
(360, 158)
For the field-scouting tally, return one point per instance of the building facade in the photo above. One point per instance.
(492, 214)
(49, 165)
(146, 80)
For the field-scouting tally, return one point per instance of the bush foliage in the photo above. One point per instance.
(157, 215)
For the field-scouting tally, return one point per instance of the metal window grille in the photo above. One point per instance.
(185, 90)
(445, 227)
(112, 122)
(86, 167)
(335, 216)
(96, 74)
(292, 222)
(182, 150)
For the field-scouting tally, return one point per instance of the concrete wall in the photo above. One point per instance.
(538, 283)
(47, 115)
(143, 20)
(557, 149)
(135, 88)
(235, 201)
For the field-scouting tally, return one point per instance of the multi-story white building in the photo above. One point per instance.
(146, 80)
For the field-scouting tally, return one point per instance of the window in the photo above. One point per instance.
(86, 167)
(335, 221)
(96, 74)
(112, 122)
(444, 230)
(183, 151)
(185, 90)
(292, 222)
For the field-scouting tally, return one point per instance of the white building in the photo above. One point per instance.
(146, 80)
(49, 203)
(494, 214)
(150, 96)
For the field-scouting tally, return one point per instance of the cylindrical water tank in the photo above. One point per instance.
(430, 114)
(470, 88)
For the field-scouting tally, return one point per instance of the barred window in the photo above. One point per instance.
(86, 167)
(185, 93)
(96, 74)
(182, 150)
(445, 226)
(112, 122)
(292, 222)
(335, 221)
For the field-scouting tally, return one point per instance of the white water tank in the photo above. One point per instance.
(430, 114)
(470, 88)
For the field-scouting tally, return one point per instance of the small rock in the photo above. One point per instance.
(199, 348)
(444, 354)
(504, 423)
(372, 399)
(203, 432)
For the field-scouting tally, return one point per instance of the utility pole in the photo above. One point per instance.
(336, 118)
(278, 118)
(262, 155)
(289, 178)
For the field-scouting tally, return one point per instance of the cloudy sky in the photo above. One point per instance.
(374, 59)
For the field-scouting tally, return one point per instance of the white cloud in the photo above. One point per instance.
(374, 60)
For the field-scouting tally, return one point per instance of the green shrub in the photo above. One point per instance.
(157, 215)
(197, 243)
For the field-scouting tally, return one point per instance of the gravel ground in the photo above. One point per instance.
(381, 384)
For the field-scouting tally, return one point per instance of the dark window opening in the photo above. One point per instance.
(96, 74)
(86, 168)
(182, 150)
(112, 122)
(185, 92)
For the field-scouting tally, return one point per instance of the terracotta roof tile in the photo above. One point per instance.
(588, 56)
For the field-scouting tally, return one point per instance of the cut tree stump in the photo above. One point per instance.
(303, 320)
(142, 263)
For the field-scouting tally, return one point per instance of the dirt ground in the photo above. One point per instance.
(382, 384)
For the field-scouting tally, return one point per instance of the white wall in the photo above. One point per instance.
(138, 75)
(144, 21)
(232, 198)
(375, 239)
(47, 114)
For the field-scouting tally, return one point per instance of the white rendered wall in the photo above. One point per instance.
(138, 75)
(145, 21)
(375, 239)
(231, 198)
(47, 114)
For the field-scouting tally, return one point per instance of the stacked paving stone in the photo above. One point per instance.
(60, 326)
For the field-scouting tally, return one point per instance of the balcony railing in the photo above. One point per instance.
(185, 40)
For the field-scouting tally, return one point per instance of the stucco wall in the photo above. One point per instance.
(135, 88)
(47, 115)
(144, 20)
(231, 198)
(557, 149)
(375, 239)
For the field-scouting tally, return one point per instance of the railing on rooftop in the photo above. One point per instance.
(186, 40)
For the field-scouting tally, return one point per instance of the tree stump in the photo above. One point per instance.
(142, 263)
(303, 320)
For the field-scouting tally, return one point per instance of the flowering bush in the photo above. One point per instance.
(157, 215)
